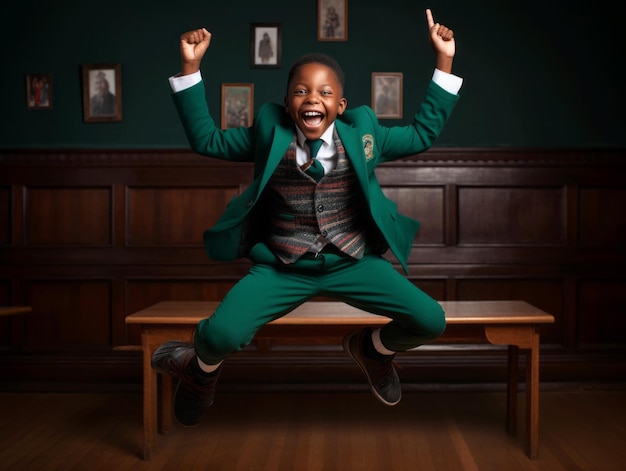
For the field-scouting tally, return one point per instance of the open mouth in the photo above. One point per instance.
(312, 118)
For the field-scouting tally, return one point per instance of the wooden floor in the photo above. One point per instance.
(580, 430)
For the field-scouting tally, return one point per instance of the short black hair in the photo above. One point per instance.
(318, 58)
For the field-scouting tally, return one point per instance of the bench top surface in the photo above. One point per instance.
(13, 310)
(336, 312)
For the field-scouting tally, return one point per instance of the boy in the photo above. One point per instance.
(313, 222)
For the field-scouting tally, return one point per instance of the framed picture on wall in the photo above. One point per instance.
(265, 45)
(237, 104)
(39, 91)
(102, 93)
(387, 94)
(332, 20)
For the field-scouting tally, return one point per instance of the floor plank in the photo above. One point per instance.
(579, 430)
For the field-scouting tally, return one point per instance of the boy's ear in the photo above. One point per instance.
(343, 104)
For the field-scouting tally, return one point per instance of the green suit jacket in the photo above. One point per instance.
(366, 141)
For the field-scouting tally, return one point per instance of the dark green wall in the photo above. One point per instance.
(537, 74)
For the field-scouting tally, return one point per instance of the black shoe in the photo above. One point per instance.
(195, 391)
(381, 375)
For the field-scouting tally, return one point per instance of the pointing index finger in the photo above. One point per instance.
(429, 18)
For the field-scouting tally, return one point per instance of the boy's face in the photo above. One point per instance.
(314, 99)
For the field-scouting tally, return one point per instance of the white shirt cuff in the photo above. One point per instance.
(449, 82)
(182, 82)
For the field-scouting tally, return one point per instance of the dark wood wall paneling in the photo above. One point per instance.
(88, 237)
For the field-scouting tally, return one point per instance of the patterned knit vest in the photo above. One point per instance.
(300, 209)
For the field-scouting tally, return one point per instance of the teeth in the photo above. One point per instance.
(312, 113)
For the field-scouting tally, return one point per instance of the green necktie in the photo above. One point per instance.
(313, 167)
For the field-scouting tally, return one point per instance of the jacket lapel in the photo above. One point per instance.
(283, 136)
(352, 142)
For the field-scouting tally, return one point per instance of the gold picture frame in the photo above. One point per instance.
(237, 105)
(39, 91)
(387, 94)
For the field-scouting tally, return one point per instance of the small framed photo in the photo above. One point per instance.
(332, 20)
(39, 91)
(237, 104)
(102, 93)
(265, 45)
(387, 94)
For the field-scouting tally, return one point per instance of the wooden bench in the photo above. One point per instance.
(6, 311)
(512, 323)
(10, 311)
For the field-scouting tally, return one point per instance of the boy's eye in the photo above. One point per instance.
(326, 92)
(299, 92)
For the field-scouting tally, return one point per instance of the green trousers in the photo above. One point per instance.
(271, 289)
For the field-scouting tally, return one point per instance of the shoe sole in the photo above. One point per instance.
(346, 347)
(161, 352)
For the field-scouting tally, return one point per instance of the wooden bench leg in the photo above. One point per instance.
(525, 337)
(149, 400)
(532, 398)
(511, 390)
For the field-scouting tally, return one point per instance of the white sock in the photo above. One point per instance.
(378, 344)
(208, 368)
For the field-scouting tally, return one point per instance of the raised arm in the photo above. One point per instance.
(193, 45)
(442, 41)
